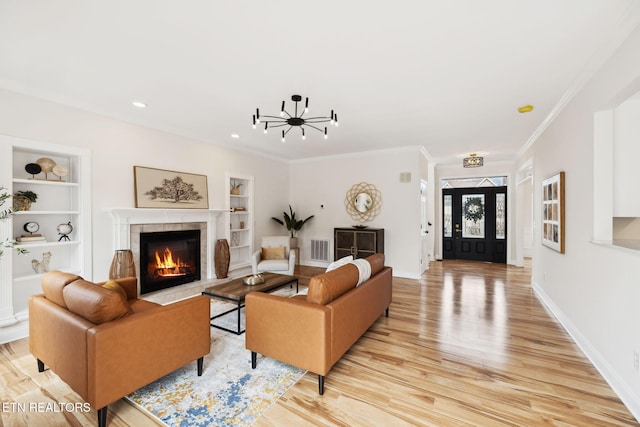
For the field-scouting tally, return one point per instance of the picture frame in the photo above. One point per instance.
(167, 189)
(553, 235)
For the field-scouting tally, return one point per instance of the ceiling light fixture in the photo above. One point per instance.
(294, 120)
(525, 109)
(139, 104)
(235, 136)
(473, 161)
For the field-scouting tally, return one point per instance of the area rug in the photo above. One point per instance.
(229, 392)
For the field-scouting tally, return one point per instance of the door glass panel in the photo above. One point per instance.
(500, 216)
(473, 216)
(448, 216)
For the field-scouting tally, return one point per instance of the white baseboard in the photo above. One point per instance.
(630, 399)
(14, 332)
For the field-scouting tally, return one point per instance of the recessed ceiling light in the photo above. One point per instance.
(235, 136)
(139, 104)
(525, 109)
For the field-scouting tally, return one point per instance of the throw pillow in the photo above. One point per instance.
(273, 253)
(115, 286)
(339, 263)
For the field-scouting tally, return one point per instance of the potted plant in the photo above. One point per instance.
(22, 200)
(6, 214)
(292, 224)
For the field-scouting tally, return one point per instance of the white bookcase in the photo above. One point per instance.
(61, 200)
(239, 220)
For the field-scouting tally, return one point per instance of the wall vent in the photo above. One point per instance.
(319, 250)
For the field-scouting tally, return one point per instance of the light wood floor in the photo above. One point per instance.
(468, 345)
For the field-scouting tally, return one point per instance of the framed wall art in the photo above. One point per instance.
(553, 212)
(165, 189)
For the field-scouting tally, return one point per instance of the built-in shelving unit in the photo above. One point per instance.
(61, 199)
(240, 223)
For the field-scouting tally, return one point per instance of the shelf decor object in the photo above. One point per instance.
(553, 212)
(162, 189)
(297, 119)
(122, 265)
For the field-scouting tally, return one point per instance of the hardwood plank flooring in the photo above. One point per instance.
(468, 344)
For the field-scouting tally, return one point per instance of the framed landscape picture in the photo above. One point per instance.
(553, 212)
(165, 189)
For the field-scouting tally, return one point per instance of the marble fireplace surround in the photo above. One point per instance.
(129, 223)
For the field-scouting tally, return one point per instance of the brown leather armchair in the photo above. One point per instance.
(105, 346)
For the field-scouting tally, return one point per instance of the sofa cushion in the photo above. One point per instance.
(377, 263)
(94, 303)
(273, 253)
(115, 286)
(54, 282)
(328, 286)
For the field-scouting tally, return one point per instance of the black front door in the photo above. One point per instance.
(474, 225)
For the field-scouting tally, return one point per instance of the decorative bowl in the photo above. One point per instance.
(255, 279)
(360, 226)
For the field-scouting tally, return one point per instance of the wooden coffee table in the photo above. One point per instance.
(235, 291)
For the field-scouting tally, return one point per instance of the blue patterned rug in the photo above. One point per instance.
(229, 392)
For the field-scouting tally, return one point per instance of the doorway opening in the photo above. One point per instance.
(474, 213)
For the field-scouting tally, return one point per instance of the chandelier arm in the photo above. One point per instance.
(273, 117)
(290, 127)
(312, 126)
(318, 120)
(278, 125)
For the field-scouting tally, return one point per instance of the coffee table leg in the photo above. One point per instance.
(239, 308)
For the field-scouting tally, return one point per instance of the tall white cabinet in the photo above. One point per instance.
(240, 222)
(61, 200)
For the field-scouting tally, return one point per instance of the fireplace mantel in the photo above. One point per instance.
(124, 218)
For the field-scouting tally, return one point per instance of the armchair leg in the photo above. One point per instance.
(386, 312)
(253, 359)
(102, 417)
(200, 366)
(40, 365)
(321, 384)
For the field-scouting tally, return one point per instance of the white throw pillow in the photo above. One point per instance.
(340, 262)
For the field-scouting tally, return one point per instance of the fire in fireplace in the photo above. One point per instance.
(169, 258)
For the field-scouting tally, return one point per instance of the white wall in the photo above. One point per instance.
(327, 181)
(117, 146)
(592, 288)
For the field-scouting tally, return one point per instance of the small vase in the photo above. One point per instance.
(122, 265)
(222, 258)
(235, 191)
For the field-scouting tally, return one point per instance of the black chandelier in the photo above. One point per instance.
(294, 120)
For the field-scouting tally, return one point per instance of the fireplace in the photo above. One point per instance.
(169, 258)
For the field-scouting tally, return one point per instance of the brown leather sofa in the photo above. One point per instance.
(312, 332)
(105, 343)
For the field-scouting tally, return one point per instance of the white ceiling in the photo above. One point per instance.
(446, 75)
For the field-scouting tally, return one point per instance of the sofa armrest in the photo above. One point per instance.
(131, 352)
(290, 330)
(255, 259)
(292, 262)
(57, 337)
